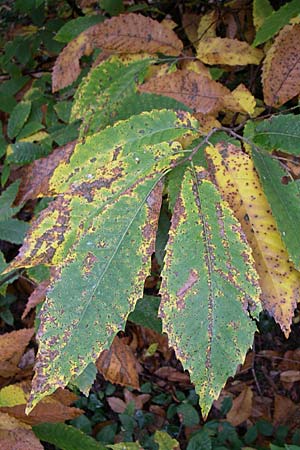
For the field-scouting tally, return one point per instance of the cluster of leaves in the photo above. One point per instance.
(158, 167)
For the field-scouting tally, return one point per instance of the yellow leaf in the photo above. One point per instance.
(36, 137)
(12, 395)
(208, 25)
(281, 68)
(197, 67)
(228, 51)
(239, 184)
(240, 100)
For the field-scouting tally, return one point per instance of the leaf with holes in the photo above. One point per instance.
(99, 232)
(209, 284)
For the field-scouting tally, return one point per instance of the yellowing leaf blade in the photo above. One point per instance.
(239, 184)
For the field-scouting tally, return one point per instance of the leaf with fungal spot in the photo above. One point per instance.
(209, 283)
(127, 33)
(238, 182)
(194, 90)
(281, 67)
(115, 171)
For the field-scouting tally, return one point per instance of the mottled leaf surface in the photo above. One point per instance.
(239, 184)
(104, 90)
(284, 198)
(208, 284)
(281, 67)
(100, 232)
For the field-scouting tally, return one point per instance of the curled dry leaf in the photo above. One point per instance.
(36, 297)
(119, 365)
(15, 435)
(228, 51)
(281, 68)
(241, 407)
(12, 346)
(290, 376)
(194, 90)
(127, 33)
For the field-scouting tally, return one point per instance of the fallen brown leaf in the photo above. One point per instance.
(12, 346)
(241, 407)
(15, 435)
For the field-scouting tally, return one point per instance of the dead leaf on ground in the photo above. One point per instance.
(281, 68)
(290, 376)
(241, 407)
(171, 374)
(228, 51)
(190, 22)
(12, 347)
(36, 297)
(127, 33)
(15, 435)
(54, 408)
(291, 360)
(284, 409)
(207, 25)
(119, 365)
(194, 90)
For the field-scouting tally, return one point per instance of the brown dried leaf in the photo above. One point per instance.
(284, 408)
(290, 376)
(116, 404)
(138, 400)
(190, 23)
(241, 407)
(195, 90)
(36, 297)
(15, 435)
(35, 177)
(119, 365)
(228, 51)
(54, 408)
(12, 346)
(281, 68)
(291, 360)
(171, 374)
(127, 33)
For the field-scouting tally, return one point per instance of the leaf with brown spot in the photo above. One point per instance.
(241, 407)
(16, 435)
(127, 33)
(228, 51)
(12, 346)
(119, 169)
(119, 365)
(194, 90)
(208, 284)
(281, 67)
(240, 187)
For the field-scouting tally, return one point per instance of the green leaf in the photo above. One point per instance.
(164, 441)
(204, 302)
(66, 133)
(25, 153)
(188, 415)
(145, 313)
(125, 446)
(71, 29)
(63, 110)
(276, 21)
(100, 94)
(29, 129)
(200, 441)
(261, 10)
(65, 437)
(105, 221)
(113, 7)
(18, 118)
(279, 132)
(283, 194)
(86, 379)
(13, 230)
